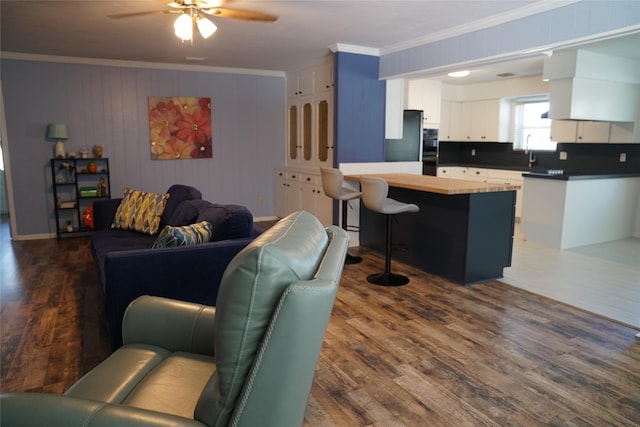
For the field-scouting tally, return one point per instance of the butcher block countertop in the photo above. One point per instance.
(433, 184)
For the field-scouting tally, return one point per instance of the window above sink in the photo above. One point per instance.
(532, 129)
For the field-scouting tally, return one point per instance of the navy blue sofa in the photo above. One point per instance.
(128, 267)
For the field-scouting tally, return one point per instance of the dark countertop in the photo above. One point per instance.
(538, 172)
(574, 177)
(485, 166)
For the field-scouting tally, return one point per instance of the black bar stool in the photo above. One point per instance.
(333, 186)
(374, 197)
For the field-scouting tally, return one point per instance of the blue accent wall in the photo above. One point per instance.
(359, 109)
(108, 105)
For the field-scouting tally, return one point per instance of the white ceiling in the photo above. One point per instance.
(302, 34)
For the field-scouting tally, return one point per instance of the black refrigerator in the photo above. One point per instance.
(409, 148)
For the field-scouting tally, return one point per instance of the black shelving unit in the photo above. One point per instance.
(73, 181)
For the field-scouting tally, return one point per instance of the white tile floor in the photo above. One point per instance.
(602, 278)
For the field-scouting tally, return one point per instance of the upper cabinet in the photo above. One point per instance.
(563, 130)
(621, 132)
(299, 84)
(484, 121)
(587, 131)
(323, 77)
(310, 117)
(477, 121)
(425, 95)
(450, 119)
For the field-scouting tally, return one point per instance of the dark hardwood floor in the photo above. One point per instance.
(429, 353)
(52, 327)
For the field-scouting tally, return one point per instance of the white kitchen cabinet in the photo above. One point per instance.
(471, 174)
(457, 172)
(293, 144)
(425, 95)
(306, 129)
(621, 132)
(299, 188)
(450, 121)
(483, 121)
(293, 196)
(323, 77)
(300, 83)
(462, 172)
(323, 132)
(300, 130)
(588, 131)
(314, 200)
(288, 195)
(310, 117)
(579, 131)
(444, 172)
(281, 193)
(563, 130)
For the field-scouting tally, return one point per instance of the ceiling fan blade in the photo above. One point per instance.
(209, 4)
(225, 12)
(199, 4)
(151, 12)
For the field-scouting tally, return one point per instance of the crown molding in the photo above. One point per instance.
(351, 48)
(137, 64)
(528, 10)
(522, 12)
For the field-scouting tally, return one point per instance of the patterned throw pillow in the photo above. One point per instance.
(140, 211)
(191, 234)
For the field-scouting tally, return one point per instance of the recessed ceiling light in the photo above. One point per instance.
(459, 73)
(195, 58)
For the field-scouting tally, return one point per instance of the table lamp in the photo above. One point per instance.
(60, 132)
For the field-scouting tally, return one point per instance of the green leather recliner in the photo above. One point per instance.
(249, 361)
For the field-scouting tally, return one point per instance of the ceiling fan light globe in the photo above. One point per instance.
(206, 27)
(184, 27)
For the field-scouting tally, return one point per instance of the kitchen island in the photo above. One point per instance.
(463, 231)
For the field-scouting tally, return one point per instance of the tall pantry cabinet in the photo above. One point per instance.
(309, 144)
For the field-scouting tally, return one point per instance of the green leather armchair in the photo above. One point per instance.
(249, 361)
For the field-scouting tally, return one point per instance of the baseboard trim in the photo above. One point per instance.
(265, 218)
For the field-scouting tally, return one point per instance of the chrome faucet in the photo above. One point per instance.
(532, 155)
(532, 158)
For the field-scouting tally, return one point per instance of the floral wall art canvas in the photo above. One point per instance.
(180, 128)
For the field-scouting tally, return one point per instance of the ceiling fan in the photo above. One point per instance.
(193, 13)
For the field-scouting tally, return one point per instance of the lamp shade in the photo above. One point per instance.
(57, 131)
(184, 27)
(206, 27)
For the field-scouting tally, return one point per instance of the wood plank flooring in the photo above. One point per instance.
(429, 353)
(52, 328)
